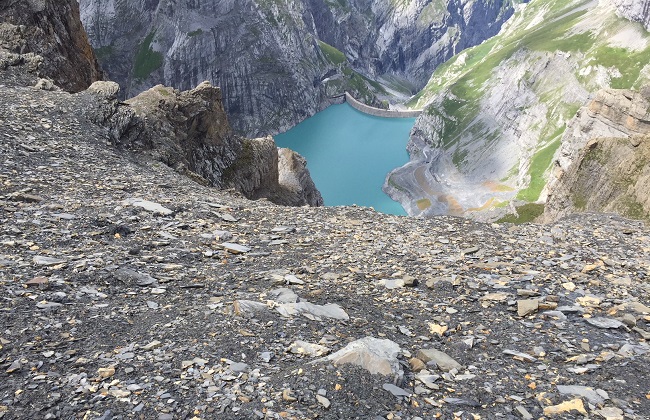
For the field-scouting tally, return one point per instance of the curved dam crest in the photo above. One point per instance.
(379, 112)
(349, 154)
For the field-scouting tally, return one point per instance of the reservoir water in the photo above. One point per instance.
(349, 154)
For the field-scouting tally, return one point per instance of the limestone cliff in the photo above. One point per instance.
(603, 162)
(610, 175)
(52, 31)
(637, 10)
(277, 62)
(496, 113)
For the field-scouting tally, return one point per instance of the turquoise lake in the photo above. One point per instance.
(349, 154)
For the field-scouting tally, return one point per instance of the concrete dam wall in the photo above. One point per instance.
(378, 112)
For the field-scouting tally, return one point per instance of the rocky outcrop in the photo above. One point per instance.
(636, 10)
(268, 57)
(189, 131)
(295, 180)
(610, 175)
(615, 113)
(51, 30)
(602, 164)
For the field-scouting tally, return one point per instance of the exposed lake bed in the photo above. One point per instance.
(349, 154)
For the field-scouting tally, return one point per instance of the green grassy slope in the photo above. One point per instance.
(599, 48)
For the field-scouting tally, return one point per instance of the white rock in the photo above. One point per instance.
(147, 205)
(375, 355)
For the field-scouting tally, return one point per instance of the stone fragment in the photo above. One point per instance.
(517, 355)
(235, 248)
(47, 261)
(238, 367)
(527, 306)
(105, 373)
(48, 305)
(377, 356)
(14, 366)
(592, 395)
(416, 364)
(410, 281)
(283, 295)
(637, 307)
(442, 360)
(602, 322)
(37, 282)
(427, 379)
(308, 349)
(129, 276)
(523, 413)
(288, 395)
(153, 345)
(392, 283)
(610, 413)
(323, 401)
(248, 307)
(566, 407)
(496, 297)
(312, 311)
(570, 286)
(147, 205)
(396, 391)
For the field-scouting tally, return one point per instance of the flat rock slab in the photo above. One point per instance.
(47, 261)
(566, 407)
(527, 306)
(396, 391)
(283, 295)
(248, 307)
(594, 396)
(605, 323)
(235, 248)
(444, 361)
(312, 311)
(377, 356)
(130, 276)
(147, 205)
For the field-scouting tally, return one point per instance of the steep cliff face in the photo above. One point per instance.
(189, 131)
(406, 40)
(637, 10)
(277, 62)
(603, 162)
(495, 114)
(262, 54)
(52, 30)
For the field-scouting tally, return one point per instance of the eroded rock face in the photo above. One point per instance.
(266, 56)
(189, 131)
(614, 113)
(637, 10)
(603, 162)
(52, 30)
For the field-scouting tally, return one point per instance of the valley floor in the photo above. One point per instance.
(115, 308)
